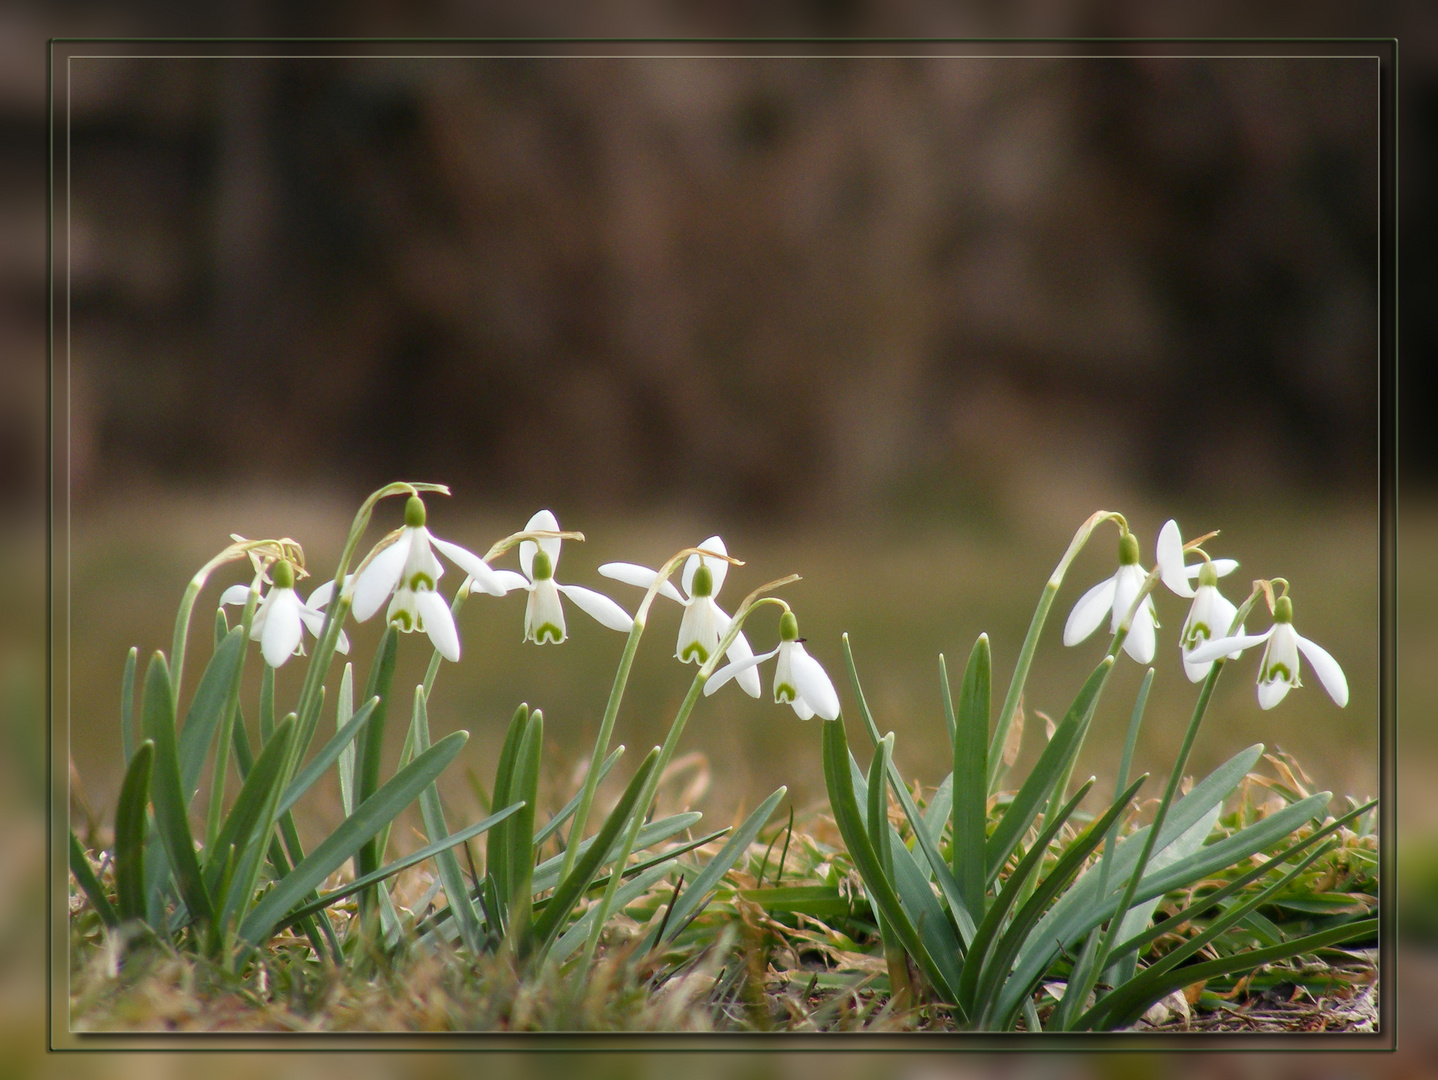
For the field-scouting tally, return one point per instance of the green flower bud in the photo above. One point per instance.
(414, 512)
(1283, 610)
(1127, 549)
(788, 627)
(703, 581)
(283, 574)
(543, 566)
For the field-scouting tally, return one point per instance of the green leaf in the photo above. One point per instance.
(327, 756)
(498, 841)
(127, 703)
(1246, 960)
(401, 790)
(627, 893)
(222, 626)
(369, 745)
(131, 824)
(414, 858)
(1068, 865)
(80, 867)
(157, 712)
(567, 810)
(856, 837)
(524, 786)
(817, 901)
(927, 839)
(692, 899)
(248, 813)
(971, 778)
(546, 874)
(568, 892)
(1050, 769)
(344, 712)
(435, 828)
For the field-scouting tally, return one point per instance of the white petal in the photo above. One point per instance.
(1270, 693)
(544, 612)
(471, 564)
(812, 683)
(422, 560)
(748, 678)
(1141, 641)
(729, 671)
(235, 594)
(600, 607)
(1327, 670)
(438, 623)
(1196, 672)
(282, 628)
(639, 576)
(1226, 646)
(698, 632)
(342, 643)
(717, 567)
(1170, 559)
(544, 521)
(1089, 612)
(509, 580)
(1127, 583)
(1224, 567)
(314, 620)
(321, 597)
(800, 706)
(380, 577)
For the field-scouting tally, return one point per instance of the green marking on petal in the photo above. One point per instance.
(1278, 671)
(402, 621)
(548, 633)
(421, 580)
(692, 650)
(784, 693)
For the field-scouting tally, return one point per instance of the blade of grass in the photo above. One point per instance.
(127, 703)
(131, 825)
(85, 876)
(970, 783)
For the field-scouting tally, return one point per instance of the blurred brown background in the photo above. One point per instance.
(895, 324)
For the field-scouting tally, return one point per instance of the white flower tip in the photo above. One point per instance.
(1169, 552)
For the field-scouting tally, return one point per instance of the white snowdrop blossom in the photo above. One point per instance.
(1114, 597)
(1211, 613)
(704, 622)
(406, 572)
(281, 617)
(799, 680)
(544, 614)
(1278, 671)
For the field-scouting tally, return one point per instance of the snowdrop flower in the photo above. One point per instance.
(544, 615)
(405, 573)
(1116, 596)
(280, 617)
(704, 622)
(799, 681)
(1278, 672)
(1211, 613)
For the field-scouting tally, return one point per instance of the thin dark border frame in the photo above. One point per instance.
(1386, 1039)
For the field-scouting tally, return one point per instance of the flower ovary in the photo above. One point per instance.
(414, 515)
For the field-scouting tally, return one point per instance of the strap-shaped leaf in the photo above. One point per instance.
(692, 899)
(1050, 769)
(971, 777)
(369, 744)
(328, 755)
(80, 867)
(524, 786)
(977, 961)
(157, 714)
(245, 817)
(927, 838)
(630, 891)
(435, 828)
(414, 858)
(546, 874)
(1246, 960)
(567, 810)
(344, 712)
(396, 794)
(1068, 865)
(206, 708)
(568, 892)
(127, 703)
(131, 825)
(856, 837)
(498, 839)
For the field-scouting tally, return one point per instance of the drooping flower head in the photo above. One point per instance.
(406, 572)
(799, 680)
(1211, 613)
(544, 614)
(1114, 597)
(1278, 671)
(704, 623)
(280, 617)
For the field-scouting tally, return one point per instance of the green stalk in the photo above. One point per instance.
(1031, 643)
(227, 722)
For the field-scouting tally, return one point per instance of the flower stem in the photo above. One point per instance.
(1031, 641)
(227, 725)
